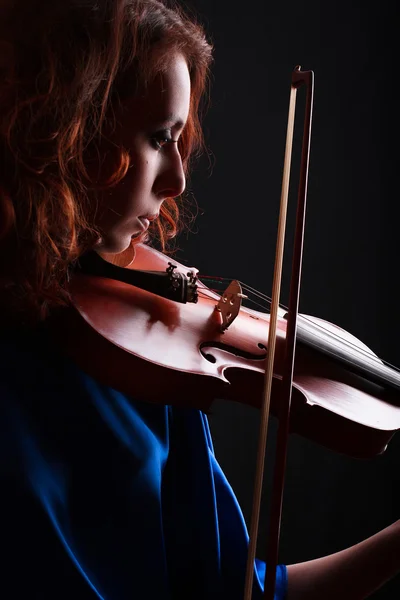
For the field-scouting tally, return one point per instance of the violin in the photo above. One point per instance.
(157, 333)
(344, 397)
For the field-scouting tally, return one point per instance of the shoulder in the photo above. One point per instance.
(24, 362)
(22, 353)
(33, 372)
(36, 386)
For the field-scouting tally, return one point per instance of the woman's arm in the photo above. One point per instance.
(352, 574)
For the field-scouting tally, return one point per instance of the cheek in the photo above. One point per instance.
(132, 193)
(142, 167)
(138, 181)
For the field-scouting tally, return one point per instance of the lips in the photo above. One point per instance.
(145, 223)
(146, 220)
(151, 217)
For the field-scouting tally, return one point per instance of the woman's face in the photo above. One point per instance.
(148, 127)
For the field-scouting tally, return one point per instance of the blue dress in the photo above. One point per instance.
(103, 496)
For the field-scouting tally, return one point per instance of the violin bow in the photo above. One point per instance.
(299, 78)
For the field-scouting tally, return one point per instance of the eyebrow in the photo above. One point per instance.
(174, 121)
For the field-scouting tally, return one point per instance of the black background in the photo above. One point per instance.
(350, 265)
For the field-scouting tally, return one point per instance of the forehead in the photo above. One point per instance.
(165, 102)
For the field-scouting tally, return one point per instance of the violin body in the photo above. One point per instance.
(158, 350)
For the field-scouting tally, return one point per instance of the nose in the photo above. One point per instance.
(171, 181)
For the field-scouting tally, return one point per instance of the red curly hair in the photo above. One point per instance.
(64, 64)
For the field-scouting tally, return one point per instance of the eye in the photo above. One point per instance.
(161, 139)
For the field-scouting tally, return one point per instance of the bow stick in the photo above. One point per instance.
(299, 78)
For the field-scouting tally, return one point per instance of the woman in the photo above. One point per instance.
(103, 495)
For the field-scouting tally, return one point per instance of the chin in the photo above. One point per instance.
(140, 238)
(110, 245)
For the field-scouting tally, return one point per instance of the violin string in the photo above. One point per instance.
(245, 287)
(335, 338)
(217, 291)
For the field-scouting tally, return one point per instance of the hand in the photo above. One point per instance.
(352, 574)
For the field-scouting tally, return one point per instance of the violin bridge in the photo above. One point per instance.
(229, 304)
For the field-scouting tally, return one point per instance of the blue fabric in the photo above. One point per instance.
(103, 496)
